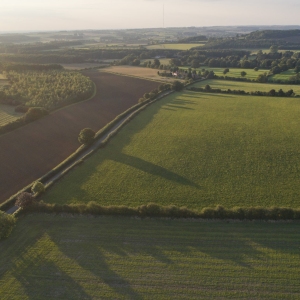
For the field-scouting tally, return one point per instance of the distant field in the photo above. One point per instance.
(141, 72)
(163, 61)
(236, 72)
(55, 257)
(3, 80)
(196, 150)
(248, 86)
(174, 46)
(8, 114)
(81, 66)
(283, 76)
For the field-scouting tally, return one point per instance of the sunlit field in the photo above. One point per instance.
(175, 46)
(196, 150)
(8, 114)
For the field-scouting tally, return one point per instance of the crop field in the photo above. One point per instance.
(67, 257)
(139, 72)
(196, 150)
(247, 86)
(175, 46)
(44, 143)
(284, 75)
(8, 114)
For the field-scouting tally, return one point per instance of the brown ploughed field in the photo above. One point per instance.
(31, 151)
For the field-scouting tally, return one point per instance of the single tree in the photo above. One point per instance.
(38, 187)
(177, 86)
(243, 73)
(86, 136)
(24, 199)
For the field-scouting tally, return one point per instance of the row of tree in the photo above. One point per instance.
(271, 93)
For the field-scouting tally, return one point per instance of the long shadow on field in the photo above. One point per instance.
(151, 168)
(46, 280)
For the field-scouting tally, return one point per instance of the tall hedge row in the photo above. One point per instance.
(155, 210)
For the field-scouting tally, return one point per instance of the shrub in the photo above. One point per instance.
(177, 86)
(38, 187)
(35, 113)
(24, 200)
(86, 136)
(7, 222)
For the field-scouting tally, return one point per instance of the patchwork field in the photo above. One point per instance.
(140, 72)
(247, 86)
(196, 150)
(43, 144)
(8, 114)
(175, 46)
(121, 258)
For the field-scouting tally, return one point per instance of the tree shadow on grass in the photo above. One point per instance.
(151, 168)
(46, 280)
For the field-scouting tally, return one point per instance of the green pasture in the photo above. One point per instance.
(196, 150)
(236, 72)
(247, 86)
(175, 46)
(67, 257)
(163, 61)
(8, 114)
(284, 76)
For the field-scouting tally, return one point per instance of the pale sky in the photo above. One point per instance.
(38, 15)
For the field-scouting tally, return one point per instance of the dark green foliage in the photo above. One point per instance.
(177, 86)
(35, 113)
(24, 200)
(155, 210)
(272, 92)
(86, 136)
(243, 73)
(48, 89)
(7, 223)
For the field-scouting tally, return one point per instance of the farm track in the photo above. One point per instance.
(29, 152)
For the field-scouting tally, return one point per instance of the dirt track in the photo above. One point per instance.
(29, 152)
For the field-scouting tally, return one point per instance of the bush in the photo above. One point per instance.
(35, 113)
(177, 86)
(38, 187)
(24, 200)
(7, 222)
(86, 136)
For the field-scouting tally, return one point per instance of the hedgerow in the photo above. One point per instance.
(171, 211)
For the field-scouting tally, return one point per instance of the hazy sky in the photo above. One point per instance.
(17, 15)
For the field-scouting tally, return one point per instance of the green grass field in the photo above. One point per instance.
(67, 257)
(247, 86)
(174, 46)
(236, 72)
(284, 75)
(196, 150)
(8, 114)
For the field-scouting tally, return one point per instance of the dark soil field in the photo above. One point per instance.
(29, 152)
